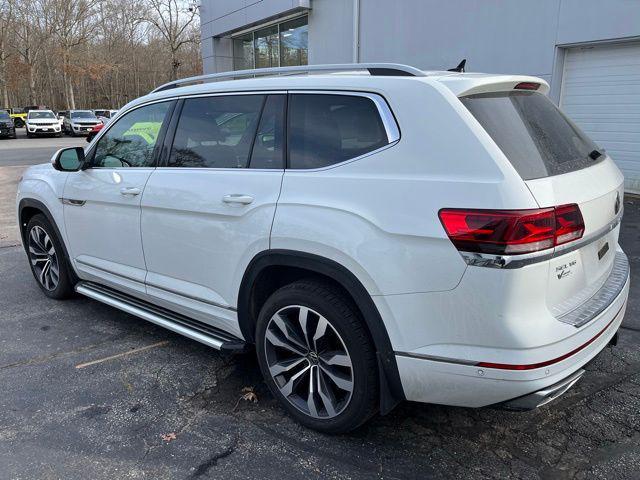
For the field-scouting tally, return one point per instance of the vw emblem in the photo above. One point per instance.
(616, 206)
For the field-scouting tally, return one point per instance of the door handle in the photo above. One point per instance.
(133, 191)
(238, 198)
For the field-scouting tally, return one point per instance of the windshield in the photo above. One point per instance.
(536, 137)
(33, 114)
(4, 115)
(83, 114)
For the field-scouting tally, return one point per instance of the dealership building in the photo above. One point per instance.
(588, 50)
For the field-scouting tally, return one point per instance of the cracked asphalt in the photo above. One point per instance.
(145, 403)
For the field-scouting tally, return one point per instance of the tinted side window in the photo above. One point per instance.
(268, 146)
(328, 129)
(216, 132)
(132, 140)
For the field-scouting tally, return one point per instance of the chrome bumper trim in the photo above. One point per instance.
(599, 302)
(544, 396)
(517, 261)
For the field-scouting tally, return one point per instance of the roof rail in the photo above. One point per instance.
(377, 69)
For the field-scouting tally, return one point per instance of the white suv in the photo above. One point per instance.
(42, 122)
(431, 236)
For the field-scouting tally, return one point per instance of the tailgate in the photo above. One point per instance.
(576, 276)
(560, 165)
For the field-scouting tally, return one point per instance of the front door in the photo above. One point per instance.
(102, 201)
(209, 210)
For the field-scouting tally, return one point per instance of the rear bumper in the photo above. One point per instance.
(436, 380)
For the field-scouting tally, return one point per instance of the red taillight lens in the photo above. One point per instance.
(569, 223)
(512, 231)
(527, 86)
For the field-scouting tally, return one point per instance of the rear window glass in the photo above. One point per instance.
(536, 137)
(325, 129)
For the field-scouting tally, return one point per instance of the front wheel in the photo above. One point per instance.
(47, 260)
(316, 356)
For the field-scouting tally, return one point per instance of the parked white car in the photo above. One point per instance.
(431, 236)
(42, 122)
(79, 122)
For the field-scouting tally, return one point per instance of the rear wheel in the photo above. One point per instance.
(316, 356)
(47, 260)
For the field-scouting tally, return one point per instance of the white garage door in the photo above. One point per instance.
(601, 93)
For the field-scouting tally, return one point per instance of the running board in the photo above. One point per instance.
(188, 327)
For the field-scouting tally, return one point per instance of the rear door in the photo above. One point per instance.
(560, 166)
(102, 202)
(207, 211)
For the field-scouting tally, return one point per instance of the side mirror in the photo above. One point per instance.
(68, 159)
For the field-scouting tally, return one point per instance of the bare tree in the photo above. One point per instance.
(172, 19)
(93, 53)
(30, 33)
(6, 18)
(71, 22)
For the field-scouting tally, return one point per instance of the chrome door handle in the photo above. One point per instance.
(133, 191)
(238, 198)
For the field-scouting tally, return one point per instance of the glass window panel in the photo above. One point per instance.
(266, 47)
(294, 42)
(131, 141)
(328, 129)
(243, 52)
(216, 132)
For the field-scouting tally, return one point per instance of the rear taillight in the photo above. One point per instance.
(569, 223)
(512, 232)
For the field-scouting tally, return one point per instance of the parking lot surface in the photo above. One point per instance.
(90, 392)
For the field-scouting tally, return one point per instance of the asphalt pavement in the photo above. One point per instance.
(90, 392)
(31, 151)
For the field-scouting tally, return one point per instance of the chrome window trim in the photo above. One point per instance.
(517, 261)
(391, 127)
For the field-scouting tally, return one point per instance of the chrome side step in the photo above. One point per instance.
(193, 329)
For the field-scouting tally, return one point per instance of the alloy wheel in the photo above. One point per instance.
(44, 258)
(309, 361)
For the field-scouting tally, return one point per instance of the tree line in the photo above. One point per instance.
(68, 54)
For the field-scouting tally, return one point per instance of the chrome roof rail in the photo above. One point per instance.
(377, 69)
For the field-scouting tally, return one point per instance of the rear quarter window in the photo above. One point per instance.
(537, 138)
(326, 129)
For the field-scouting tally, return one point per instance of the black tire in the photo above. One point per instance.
(64, 288)
(341, 314)
(29, 135)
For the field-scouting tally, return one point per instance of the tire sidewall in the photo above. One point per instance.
(64, 288)
(358, 410)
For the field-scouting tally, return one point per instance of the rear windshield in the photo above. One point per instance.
(4, 115)
(536, 137)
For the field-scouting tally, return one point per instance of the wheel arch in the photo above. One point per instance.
(27, 209)
(306, 264)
